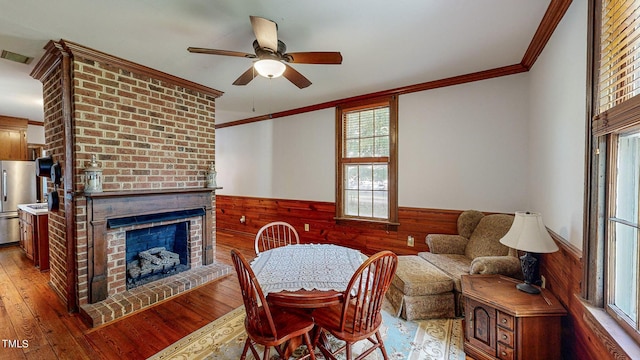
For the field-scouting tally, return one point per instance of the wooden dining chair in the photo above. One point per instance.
(275, 234)
(269, 326)
(358, 317)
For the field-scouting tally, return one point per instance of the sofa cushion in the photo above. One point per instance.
(467, 222)
(415, 277)
(453, 265)
(485, 240)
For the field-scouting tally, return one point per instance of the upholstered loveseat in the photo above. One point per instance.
(476, 249)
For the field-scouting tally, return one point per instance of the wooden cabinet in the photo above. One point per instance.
(34, 237)
(13, 138)
(26, 233)
(502, 322)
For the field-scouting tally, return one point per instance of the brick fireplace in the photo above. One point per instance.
(154, 137)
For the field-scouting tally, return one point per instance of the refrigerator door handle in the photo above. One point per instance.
(4, 184)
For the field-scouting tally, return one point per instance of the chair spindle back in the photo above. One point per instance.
(365, 293)
(275, 234)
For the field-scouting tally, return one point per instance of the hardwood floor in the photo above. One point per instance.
(34, 324)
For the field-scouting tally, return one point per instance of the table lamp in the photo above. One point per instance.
(528, 234)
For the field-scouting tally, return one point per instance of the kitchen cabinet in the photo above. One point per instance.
(502, 322)
(34, 235)
(13, 138)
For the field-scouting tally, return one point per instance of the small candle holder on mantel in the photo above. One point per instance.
(93, 176)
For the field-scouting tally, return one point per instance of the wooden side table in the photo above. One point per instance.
(502, 322)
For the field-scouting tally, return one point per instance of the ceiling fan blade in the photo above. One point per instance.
(266, 32)
(220, 52)
(246, 77)
(295, 77)
(314, 57)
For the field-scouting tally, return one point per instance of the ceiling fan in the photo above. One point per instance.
(272, 56)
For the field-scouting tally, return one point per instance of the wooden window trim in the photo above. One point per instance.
(392, 159)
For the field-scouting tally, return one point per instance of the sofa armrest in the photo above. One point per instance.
(503, 265)
(446, 244)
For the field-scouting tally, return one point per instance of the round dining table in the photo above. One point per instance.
(306, 275)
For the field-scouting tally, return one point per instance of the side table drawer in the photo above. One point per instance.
(504, 320)
(505, 352)
(505, 336)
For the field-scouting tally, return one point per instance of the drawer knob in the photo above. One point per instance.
(504, 353)
(504, 321)
(504, 337)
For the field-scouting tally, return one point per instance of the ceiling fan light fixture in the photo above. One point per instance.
(269, 68)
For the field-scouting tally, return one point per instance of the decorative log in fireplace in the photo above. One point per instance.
(104, 208)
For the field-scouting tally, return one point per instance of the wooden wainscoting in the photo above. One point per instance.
(323, 228)
(580, 339)
(562, 269)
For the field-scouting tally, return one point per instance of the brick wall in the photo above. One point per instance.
(148, 130)
(53, 126)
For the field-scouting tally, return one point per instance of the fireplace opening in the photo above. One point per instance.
(156, 252)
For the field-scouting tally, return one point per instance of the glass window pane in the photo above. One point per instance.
(382, 121)
(366, 123)
(626, 275)
(351, 202)
(627, 179)
(380, 204)
(365, 205)
(380, 177)
(366, 147)
(351, 177)
(352, 127)
(366, 177)
(382, 146)
(353, 148)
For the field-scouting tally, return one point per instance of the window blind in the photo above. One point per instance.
(619, 76)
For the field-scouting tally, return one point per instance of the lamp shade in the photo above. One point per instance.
(269, 68)
(528, 233)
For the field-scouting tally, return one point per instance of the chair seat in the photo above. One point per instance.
(288, 324)
(328, 318)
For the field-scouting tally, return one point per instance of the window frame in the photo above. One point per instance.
(391, 160)
(607, 124)
(632, 326)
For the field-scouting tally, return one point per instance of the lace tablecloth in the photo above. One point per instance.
(306, 267)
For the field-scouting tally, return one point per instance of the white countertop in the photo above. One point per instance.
(35, 209)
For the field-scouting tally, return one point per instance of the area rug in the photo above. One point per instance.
(438, 339)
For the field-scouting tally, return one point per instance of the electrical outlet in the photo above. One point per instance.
(306, 227)
(544, 281)
(410, 241)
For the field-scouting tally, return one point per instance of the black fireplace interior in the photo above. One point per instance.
(156, 252)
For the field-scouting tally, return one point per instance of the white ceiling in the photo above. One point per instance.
(384, 44)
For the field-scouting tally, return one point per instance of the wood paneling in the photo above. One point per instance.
(581, 338)
(323, 228)
(562, 269)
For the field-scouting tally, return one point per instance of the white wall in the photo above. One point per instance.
(285, 158)
(459, 147)
(465, 146)
(557, 126)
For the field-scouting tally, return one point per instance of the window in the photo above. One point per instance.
(612, 255)
(366, 164)
(623, 225)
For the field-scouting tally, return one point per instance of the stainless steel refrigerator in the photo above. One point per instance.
(17, 186)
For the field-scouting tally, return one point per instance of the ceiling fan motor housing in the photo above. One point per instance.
(266, 53)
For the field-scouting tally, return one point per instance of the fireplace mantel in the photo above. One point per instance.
(118, 204)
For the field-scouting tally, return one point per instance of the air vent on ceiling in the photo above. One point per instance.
(15, 57)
